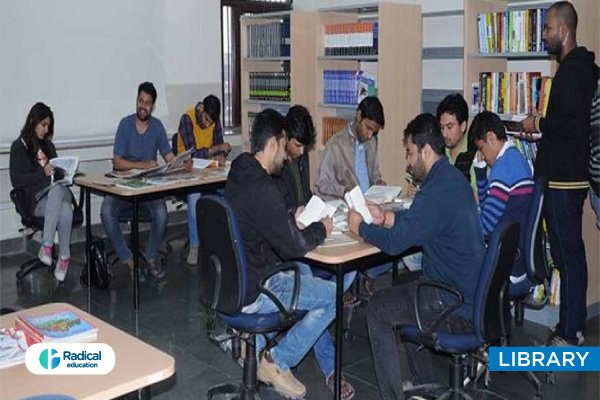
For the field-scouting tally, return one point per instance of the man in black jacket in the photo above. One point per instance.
(563, 157)
(295, 177)
(271, 236)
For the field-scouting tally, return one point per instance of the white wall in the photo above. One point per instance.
(174, 43)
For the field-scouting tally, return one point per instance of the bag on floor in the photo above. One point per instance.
(100, 270)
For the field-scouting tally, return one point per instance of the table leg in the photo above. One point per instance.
(339, 329)
(88, 246)
(135, 252)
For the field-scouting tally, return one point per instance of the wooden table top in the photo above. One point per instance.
(137, 365)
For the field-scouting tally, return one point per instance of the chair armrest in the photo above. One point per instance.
(429, 330)
(287, 315)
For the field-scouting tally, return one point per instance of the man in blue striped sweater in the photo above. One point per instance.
(507, 192)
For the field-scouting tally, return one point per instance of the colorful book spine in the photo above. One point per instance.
(351, 39)
(272, 86)
(511, 31)
(331, 126)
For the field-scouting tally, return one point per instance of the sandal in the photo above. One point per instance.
(347, 389)
(350, 300)
(367, 289)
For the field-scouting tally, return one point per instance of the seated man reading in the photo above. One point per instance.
(139, 137)
(270, 237)
(443, 220)
(506, 193)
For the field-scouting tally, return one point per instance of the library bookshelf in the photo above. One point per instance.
(588, 34)
(397, 67)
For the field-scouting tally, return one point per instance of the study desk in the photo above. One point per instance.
(137, 365)
(342, 259)
(204, 180)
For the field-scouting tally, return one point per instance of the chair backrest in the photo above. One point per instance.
(223, 266)
(19, 200)
(492, 309)
(535, 261)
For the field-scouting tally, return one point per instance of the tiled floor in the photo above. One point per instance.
(172, 319)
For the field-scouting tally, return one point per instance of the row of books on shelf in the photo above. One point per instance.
(351, 39)
(528, 149)
(511, 31)
(331, 126)
(269, 40)
(274, 86)
(347, 86)
(58, 327)
(512, 92)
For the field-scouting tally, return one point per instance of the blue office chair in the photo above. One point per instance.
(223, 280)
(32, 224)
(534, 251)
(491, 316)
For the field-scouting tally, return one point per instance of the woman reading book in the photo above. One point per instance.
(32, 172)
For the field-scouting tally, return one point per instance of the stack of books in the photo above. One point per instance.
(269, 40)
(273, 86)
(347, 86)
(331, 126)
(352, 39)
(511, 31)
(62, 326)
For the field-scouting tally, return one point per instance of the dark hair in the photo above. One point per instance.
(148, 87)
(484, 122)
(371, 108)
(454, 104)
(300, 125)
(212, 106)
(565, 11)
(267, 124)
(37, 114)
(425, 129)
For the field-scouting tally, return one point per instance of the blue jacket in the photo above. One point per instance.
(444, 221)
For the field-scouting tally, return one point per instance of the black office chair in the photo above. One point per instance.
(534, 251)
(32, 224)
(491, 319)
(223, 280)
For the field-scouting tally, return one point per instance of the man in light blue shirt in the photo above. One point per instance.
(139, 137)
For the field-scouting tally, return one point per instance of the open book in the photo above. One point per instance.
(315, 210)
(382, 194)
(13, 346)
(176, 164)
(356, 201)
(201, 163)
(64, 170)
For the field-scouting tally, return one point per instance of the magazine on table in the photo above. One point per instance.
(176, 164)
(60, 326)
(13, 346)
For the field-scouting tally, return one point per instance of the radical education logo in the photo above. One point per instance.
(70, 359)
(49, 359)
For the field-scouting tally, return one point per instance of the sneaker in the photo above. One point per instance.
(283, 381)
(192, 258)
(61, 269)
(579, 334)
(559, 341)
(45, 254)
(157, 271)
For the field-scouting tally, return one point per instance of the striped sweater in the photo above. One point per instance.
(506, 196)
(510, 181)
(595, 143)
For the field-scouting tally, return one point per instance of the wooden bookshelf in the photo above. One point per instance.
(588, 34)
(398, 77)
(299, 64)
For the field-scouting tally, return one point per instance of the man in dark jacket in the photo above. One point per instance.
(270, 236)
(563, 157)
(443, 220)
(295, 177)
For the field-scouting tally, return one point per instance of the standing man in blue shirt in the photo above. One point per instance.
(139, 137)
(443, 220)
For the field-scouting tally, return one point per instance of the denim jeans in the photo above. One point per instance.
(192, 199)
(57, 210)
(109, 213)
(595, 201)
(316, 296)
(393, 306)
(563, 210)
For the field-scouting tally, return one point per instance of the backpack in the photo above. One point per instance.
(100, 270)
